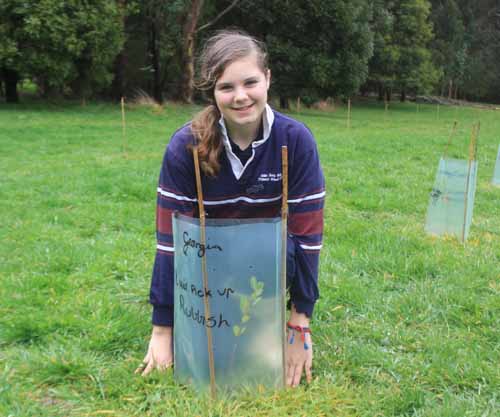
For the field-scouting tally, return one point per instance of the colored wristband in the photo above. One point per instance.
(302, 331)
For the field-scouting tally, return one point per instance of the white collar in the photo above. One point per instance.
(236, 165)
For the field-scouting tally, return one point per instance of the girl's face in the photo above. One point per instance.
(241, 95)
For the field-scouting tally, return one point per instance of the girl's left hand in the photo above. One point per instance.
(298, 357)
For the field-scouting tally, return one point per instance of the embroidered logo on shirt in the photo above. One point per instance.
(254, 189)
(270, 177)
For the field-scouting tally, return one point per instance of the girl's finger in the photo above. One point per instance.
(308, 372)
(289, 375)
(149, 368)
(163, 366)
(140, 368)
(297, 374)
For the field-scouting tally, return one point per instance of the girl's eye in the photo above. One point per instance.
(251, 82)
(224, 87)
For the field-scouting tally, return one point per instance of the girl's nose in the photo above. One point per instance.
(240, 94)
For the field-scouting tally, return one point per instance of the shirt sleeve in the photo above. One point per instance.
(305, 221)
(175, 192)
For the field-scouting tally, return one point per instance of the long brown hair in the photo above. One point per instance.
(220, 50)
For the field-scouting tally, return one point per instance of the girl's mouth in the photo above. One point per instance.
(243, 108)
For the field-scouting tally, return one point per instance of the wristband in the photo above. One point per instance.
(302, 331)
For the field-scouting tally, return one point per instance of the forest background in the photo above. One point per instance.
(318, 48)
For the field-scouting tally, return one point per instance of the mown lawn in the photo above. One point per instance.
(407, 324)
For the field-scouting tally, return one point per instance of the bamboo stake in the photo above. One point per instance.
(349, 113)
(476, 140)
(472, 157)
(199, 191)
(452, 133)
(284, 226)
(124, 136)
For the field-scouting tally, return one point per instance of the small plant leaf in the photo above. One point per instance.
(255, 302)
(245, 318)
(253, 283)
(244, 304)
(242, 330)
(236, 330)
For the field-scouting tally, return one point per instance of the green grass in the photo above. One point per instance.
(407, 324)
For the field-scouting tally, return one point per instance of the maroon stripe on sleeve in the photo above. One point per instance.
(164, 220)
(309, 223)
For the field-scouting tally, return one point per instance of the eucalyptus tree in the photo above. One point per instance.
(317, 48)
(171, 29)
(482, 27)
(402, 58)
(467, 47)
(450, 45)
(60, 45)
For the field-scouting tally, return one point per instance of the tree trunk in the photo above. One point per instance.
(155, 61)
(118, 84)
(11, 78)
(188, 45)
(284, 103)
(403, 95)
(380, 92)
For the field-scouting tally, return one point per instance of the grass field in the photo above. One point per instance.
(407, 324)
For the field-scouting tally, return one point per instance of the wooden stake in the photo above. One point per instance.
(298, 104)
(438, 111)
(284, 237)
(476, 140)
(348, 113)
(472, 158)
(124, 136)
(210, 348)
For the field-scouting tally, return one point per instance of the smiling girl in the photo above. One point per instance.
(239, 139)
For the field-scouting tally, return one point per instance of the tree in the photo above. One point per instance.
(58, 44)
(118, 86)
(190, 31)
(172, 31)
(450, 44)
(317, 48)
(482, 53)
(467, 47)
(402, 57)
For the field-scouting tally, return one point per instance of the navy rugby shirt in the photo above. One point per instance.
(245, 190)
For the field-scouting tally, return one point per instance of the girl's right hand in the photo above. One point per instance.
(160, 355)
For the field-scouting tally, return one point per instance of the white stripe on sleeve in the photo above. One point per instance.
(308, 197)
(165, 248)
(307, 247)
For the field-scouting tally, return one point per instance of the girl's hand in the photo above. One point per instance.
(299, 359)
(160, 355)
(299, 350)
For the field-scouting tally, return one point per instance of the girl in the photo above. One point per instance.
(239, 139)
